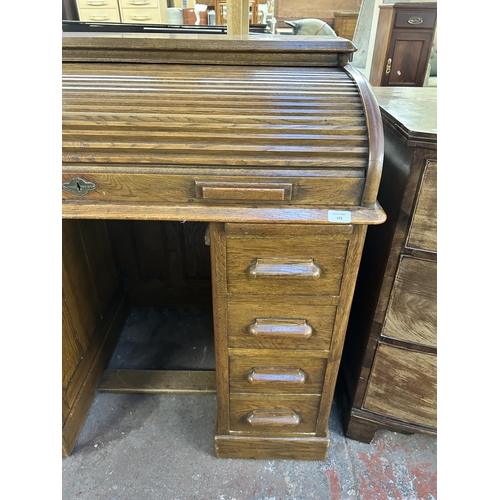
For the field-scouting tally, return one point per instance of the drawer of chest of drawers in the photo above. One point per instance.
(278, 372)
(416, 19)
(99, 15)
(273, 414)
(422, 233)
(271, 322)
(139, 4)
(295, 260)
(212, 188)
(141, 15)
(97, 4)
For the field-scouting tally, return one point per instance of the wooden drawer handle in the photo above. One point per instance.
(275, 418)
(256, 191)
(286, 268)
(266, 374)
(277, 327)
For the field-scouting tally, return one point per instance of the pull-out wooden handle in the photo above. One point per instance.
(256, 191)
(284, 268)
(280, 327)
(267, 374)
(275, 418)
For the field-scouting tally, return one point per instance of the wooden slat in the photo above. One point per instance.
(158, 381)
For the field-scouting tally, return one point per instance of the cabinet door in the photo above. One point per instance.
(407, 58)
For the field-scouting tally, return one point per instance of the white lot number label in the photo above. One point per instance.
(339, 216)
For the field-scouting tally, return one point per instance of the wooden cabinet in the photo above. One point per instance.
(287, 195)
(388, 369)
(344, 23)
(403, 44)
(292, 10)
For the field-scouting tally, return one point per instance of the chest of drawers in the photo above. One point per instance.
(277, 144)
(389, 367)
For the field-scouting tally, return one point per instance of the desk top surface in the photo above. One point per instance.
(412, 109)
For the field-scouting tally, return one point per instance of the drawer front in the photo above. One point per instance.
(280, 373)
(97, 4)
(138, 15)
(273, 323)
(402, 385)
(412, 310)
(214, 189)
(100, 15)
(415, 19)
(273, 414)
(286, 265)
(422, 233)
(141, 4)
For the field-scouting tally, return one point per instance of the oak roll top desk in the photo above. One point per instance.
(277, 144)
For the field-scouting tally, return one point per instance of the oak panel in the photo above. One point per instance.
(184, 188)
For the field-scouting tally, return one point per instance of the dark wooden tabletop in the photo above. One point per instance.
(412, 110)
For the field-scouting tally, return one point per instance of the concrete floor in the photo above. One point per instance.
(160, 447)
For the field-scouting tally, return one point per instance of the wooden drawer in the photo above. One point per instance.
(294, 260)
(100, 15)
(422, 233)
(412, 310)
(415, 19)
(279, 372)
(97, 4)
(271, 322)
(172, 188)
(273, 414)
(402, 385)
(141, 15)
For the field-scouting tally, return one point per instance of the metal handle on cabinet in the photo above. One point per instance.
(139, 2)
(141, 18)
(97, 2)
(269, 374)
(388, 66)
(284, 268)
(280, 327)
(415, 20)
(99, 18)
(275, 418)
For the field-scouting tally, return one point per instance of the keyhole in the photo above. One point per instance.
(78, 186)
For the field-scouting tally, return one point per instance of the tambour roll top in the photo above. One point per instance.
(279, 120)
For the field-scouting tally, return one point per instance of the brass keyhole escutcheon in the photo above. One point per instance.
(78, 186)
